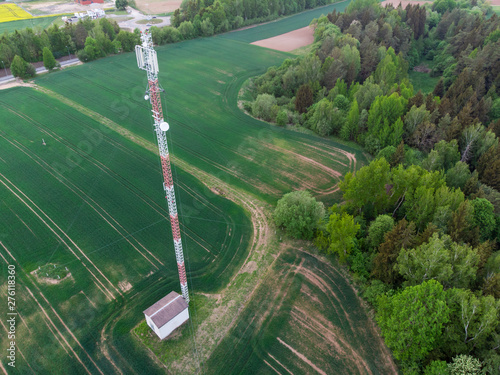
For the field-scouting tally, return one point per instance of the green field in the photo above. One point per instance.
(281, 26)
(90, 186)
(202, 79)
(42, 22)
(90, 200)
(303, 319)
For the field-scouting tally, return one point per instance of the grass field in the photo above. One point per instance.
(423, 81)
(90, 200)
(303, 319)
(281, 26)
(111, 230)
(208, 129)
(42, 22)
(12, 12)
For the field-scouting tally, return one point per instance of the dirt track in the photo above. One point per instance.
(289, 41)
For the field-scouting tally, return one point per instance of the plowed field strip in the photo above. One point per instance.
(302, 357)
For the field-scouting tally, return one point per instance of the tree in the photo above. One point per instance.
(489, 167)
(491, 284)
(340, 233)
(350, 128)
(415, 117)
(304, 98)
(186, 29)
(399, 155)
(368, 187)
(325, 119)
(402, 236)
(484, 217)
(444, 156)
(121, 4)
(384, 119)
(265, 107)
(128, 40)
(48, 59)
(282, 118)
(21, 68)
(464, 364)
(473, 318)
(440, 259)
(378, 228)
(207, 27)
(92, 49)
(462, 228)
(412, 321)
(299, 214)
(437, 368)
(458, 176)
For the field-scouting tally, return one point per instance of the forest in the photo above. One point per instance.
(419, 226)
(207, 17)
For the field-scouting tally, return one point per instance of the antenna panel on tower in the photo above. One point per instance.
(140, 57)
(153, 60)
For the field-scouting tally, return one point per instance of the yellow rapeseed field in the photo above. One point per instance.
(12, 12)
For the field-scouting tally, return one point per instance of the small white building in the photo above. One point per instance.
(99, 13)
(167, 314)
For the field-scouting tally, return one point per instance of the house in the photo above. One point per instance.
(167, 314)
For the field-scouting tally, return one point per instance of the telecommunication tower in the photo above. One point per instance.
(148, 61)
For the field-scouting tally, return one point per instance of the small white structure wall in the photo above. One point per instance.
(168, 328)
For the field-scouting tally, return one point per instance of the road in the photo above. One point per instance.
(40, 70)
(138, 16)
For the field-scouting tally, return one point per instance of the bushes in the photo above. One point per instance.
(21, 68)
(299, 214)
(265, 107)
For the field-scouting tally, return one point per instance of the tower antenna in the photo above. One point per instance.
(148, 61)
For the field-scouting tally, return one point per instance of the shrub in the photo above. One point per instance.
(299, 214)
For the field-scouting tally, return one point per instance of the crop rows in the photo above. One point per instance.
(91, 202)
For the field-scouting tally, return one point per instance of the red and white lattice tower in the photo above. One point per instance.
(148, 61)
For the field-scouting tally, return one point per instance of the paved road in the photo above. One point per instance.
(138, 16)
(42, 69)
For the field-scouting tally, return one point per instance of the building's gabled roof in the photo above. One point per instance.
(166, 309)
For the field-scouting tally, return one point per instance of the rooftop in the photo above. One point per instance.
(166, 309)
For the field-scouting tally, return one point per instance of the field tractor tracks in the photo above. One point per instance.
(51, 316)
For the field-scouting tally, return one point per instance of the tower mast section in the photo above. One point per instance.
(148, 61)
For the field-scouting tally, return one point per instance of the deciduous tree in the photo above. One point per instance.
(378, 228)
(299, 214)
(338, 235)
(412, 321)
(440, 259)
